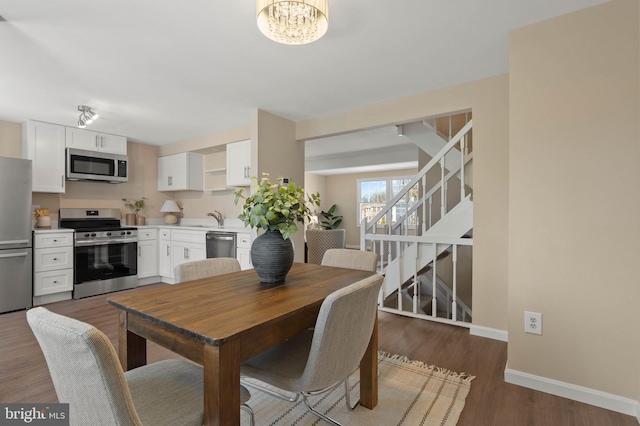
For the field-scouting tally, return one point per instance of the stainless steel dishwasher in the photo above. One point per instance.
(221, 244)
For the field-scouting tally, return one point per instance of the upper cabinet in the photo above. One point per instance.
(180, 172)
(94, 141)
(43, 144)
(239, 163)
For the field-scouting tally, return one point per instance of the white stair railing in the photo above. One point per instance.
(406, 239)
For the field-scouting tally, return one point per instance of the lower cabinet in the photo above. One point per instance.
(187, 246)
(147, 253)
(51, 282)
(52, 266)
(177, 246)
(164, 253)
(243, 251)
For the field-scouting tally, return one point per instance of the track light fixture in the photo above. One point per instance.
(86, 116)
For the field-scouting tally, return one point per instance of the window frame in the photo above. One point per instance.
(388, 191)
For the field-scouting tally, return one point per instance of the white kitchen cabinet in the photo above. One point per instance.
(180, 172)
(164, 253)
(43, 144)
(52, 266)
(243, 251)
(239, 163)
(147, 252)
(95, 141)
(187, 246)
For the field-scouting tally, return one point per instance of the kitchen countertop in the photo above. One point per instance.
(196, 227)
(50, 230)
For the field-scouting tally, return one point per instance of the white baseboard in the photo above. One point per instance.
(589, 396)
(490, 333)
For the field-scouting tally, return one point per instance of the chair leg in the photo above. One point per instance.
(249, 411)
(319, 414)
(347, 396)
(270, 392)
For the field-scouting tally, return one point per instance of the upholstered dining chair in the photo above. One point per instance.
(352, 259)
(318, 360)
(87, 375)
(205, 268)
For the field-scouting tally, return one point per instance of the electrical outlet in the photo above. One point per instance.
(533, 322)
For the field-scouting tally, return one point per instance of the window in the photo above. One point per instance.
(374, 193)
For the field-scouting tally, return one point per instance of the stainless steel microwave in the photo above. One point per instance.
(96, 166)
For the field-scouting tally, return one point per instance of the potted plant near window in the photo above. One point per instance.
(275, 208)
(325, 235)
(134, 207)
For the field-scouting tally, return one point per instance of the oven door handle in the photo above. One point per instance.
(85, 243)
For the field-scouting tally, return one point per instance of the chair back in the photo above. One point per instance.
(352, 259)
(342, 333)
(85, 370)
(205, 268)
(321, 240)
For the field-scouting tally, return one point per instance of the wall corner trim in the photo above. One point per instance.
(589, 396)
(490, 333)
(638, 412)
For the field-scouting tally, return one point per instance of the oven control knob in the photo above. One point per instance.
(128, 232)
(108, 234)
(87, 235)
(93, 235)
(123, 233)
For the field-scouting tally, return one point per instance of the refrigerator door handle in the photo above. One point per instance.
(2, 256)
(14, 242)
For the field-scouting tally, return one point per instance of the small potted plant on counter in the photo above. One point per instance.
(134, 207)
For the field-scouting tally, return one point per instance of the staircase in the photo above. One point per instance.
(437, 221)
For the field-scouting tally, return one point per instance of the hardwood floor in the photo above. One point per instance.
(24, 376)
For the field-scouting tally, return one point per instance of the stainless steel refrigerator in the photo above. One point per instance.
(16, 277)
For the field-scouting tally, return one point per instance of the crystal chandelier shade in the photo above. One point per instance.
(293, 22)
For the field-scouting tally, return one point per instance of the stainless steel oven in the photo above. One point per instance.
(105, 253)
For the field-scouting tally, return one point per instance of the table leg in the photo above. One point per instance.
(222, 384)
(132, 349)
(369, 371)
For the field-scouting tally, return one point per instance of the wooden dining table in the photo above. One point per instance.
(221, 321)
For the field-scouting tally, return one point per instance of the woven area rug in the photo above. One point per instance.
(409, 393)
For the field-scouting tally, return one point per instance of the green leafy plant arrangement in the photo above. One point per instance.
(328, 220)
(275, 206)
(135, 206)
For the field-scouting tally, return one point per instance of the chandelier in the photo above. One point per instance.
(293, 22)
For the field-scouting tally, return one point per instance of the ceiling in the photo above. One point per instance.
(162, 71)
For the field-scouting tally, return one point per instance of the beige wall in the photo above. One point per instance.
(276, 151)
(574, 207)
(10, 139)
(489, 101)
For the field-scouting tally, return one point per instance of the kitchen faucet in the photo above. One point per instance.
(218, 217)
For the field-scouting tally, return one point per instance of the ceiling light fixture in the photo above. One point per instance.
(86, 116)
(293, 22)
